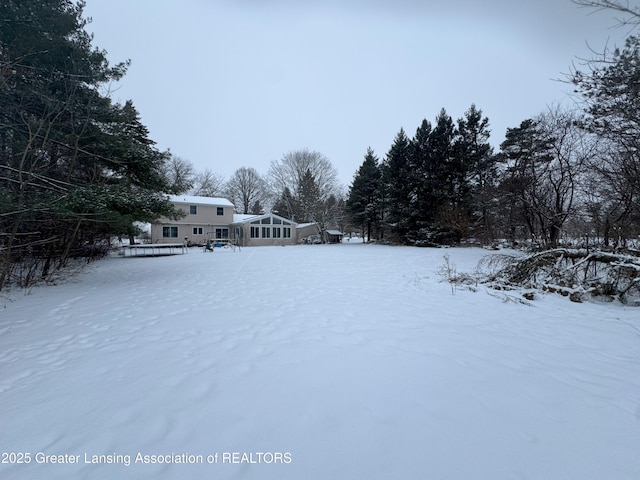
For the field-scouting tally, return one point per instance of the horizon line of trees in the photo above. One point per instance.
(562, 175)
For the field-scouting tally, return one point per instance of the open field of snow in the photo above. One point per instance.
(323, 362)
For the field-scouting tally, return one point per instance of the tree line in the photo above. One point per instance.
(563, 175)
(75, 167)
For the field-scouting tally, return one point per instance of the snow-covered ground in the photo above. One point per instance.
(323, 362)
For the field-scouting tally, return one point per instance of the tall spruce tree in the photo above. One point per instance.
(476, 171)
(443, 179)
(364, 202)
(287, 205)
(397, 187)
(425, 204)
(445, 169)
(310, 199)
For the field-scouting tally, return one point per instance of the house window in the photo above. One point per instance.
(276, 232)
(170, 232)
(266, 232)
(220, 211)
(255, 232)
(222, 233)
(197, 230)
(193, 209)
(276, 221)
(286, 232)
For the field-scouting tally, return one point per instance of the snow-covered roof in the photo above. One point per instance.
(193, 199)
(243, 217)
(334, 232)
(239, 218)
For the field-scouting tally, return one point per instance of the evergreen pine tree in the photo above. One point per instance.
(476, 170)
(422, 173)
(442, 175)
(309, 197)
(445, 171)
(364, 202)
(287, 206)
(524, 152)
(257, 208)
(396, 177)
(76, 168)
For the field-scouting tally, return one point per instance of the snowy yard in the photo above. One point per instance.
(318, 362)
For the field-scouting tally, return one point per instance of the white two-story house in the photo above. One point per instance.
(205, 219)
(211, 219)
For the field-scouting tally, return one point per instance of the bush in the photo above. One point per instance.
(577, 273)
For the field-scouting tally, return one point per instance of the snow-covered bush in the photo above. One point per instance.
(577, 273)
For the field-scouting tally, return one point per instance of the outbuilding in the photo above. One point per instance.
(333, 236)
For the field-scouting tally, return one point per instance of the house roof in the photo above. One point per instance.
(243, 217)
(334, 232)
(238, 218)
(192, 199)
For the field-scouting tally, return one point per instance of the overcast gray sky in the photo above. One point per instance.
(238, 83)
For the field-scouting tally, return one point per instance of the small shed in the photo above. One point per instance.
(333, 236)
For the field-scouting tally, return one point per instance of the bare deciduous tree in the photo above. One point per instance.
(289, 172)
(613, 201)
(179, 173)
(631, 13)
(208, 184)
(545, 162)
(571, 148)
(245, 189)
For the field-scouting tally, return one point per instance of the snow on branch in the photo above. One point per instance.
(577, 273)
